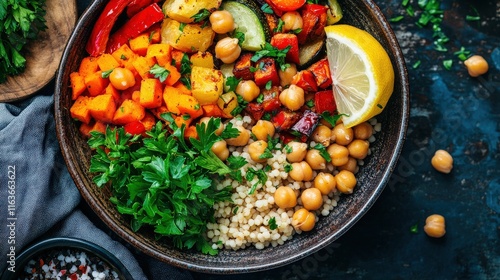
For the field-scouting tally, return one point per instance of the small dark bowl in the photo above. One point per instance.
(45, 246)
(373, 176)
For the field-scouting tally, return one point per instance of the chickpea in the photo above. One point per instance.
(363, 131)
(286, 76)
(220, 150)
(476, 65)
(442, 161)
(256, 149)
(346, 181)
(315, 159)
(303, 219)
(292, 97)
(285, 197)
(311, 199)
(262, 129)
(342, 135)
(227, 50)
(351, 165)
(122, 78)
(241, 139)
(295, 151)
(218, 131)
(338, 153)
(292, 21)
(222, 22)
(322, 135)
(435, 226)
(325, 183)
(301, 171)
(358, 148)
(248, 89)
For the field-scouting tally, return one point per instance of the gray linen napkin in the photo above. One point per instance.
(38, 198)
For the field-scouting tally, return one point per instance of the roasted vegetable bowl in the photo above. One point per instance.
(216, 134)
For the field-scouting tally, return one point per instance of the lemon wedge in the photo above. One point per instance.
(362, 73)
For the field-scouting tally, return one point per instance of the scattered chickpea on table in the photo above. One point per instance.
(435, 226)
(442, 161)
(476, 65)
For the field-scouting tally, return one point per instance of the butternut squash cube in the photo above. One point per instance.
(140, 44)
(206, 84)
(128, 111)
(151, 93)
(107, 62)
(80, 110)
(95, 83)
(77, 85)
(88, 66)
(102, 108)
(161, 52)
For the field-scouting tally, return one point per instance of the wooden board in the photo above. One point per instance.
(44, 54)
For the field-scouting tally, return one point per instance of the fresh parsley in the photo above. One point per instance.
(164, 181)
(159, 72)
(272, 223)
(269, 50)
(21, 22)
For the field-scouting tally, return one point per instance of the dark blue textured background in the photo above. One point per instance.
(449, 110)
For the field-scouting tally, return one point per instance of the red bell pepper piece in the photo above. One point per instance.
(266, 71)
(284, 120)
(102, 28)
(305, 80)
(139, 23)
(136, 5)
(134, 128)
(255, 110)
(283, 40)
(271, 100)
(314, 21)
(324, 101)
(321, 72)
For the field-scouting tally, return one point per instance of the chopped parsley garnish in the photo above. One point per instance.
(159, 72)
(447, 64)
(272, 223)
(232, 82)
(267, 9)
(269, 50)
(105, 74)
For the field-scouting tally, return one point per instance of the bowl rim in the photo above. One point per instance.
(66, 242)
(401, 73)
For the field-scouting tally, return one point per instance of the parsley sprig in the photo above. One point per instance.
(21, 22)
(164, 181)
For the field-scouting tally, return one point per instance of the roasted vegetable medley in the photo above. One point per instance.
(214, 122)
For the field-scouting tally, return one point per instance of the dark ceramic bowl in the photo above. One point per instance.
(372, 177)
(43, 247)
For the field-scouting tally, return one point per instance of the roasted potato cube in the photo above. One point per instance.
(190, 38)
(206, 84)
(184, 10)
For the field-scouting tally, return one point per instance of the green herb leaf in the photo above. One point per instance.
(267, 9)
(272, 223)
(447, 64)
(201, 15)
(159, 72)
